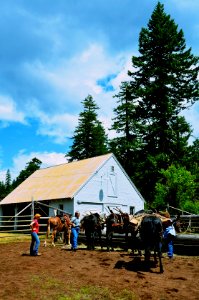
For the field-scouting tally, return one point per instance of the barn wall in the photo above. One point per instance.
(66, 204)
(109, 187)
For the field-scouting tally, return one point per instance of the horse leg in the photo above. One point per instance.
(160, 257)
(47, 233)
(69, 235)
(147, 255)
(53, 237)
(110, 241)
(89, 241)
(93, 240)
(155, 257)
(100, 238)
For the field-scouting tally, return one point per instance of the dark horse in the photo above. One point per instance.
(116, 223)
(151, 238)
(59, 224)
(93, 227)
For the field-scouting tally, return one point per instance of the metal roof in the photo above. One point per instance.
(57, 182)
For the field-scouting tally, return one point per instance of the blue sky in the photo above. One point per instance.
(54, 53)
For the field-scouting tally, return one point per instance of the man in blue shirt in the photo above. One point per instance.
(75, 230)
(169, 235)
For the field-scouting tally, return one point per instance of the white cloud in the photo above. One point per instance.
(60, 127)
(77, 77)
(57, 126)
(9, 111)
(72, 80)
(22, 158)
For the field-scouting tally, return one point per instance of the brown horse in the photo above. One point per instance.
(58, 224)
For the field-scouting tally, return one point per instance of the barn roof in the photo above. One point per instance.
(57, 182)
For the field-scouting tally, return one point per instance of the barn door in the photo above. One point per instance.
(112, 185)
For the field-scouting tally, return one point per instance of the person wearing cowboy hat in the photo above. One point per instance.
(35, 242)
(169, 234)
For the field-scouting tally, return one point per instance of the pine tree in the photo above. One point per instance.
(163, 84)
(8, 182)
(166, 79)
(166, 76)
(89, 137)
(2, 190)
(127, 125)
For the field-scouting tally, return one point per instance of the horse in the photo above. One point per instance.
(151, 230)
(93, 227)
(58, 224)
(116, 223)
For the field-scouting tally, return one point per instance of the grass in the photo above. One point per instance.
(51, 288)
(6, 238)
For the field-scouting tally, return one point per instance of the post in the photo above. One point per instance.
(15, 219)
(32, 208)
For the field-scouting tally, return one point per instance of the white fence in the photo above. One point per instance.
(21, 224)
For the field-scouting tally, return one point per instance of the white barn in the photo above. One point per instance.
(92, 184)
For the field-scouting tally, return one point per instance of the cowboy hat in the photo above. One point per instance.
(37, 216)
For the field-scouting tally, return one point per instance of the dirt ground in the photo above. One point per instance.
(58, 272)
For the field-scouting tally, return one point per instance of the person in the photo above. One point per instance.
(67, 232)
(75, 228)
(35, 242)
(168, 236)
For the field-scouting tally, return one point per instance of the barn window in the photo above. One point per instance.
(112, 169)
(132, 210)
(61, 206)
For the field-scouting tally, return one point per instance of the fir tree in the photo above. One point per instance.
(89, 137)
(8, 182)
(163, 84)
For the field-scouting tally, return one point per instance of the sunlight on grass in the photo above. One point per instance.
(98, 293)
(6, 238)
(58, 290)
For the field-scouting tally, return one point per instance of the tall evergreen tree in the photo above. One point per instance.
(89, 137)
(164, 83)
(8, 182)
(166, 79)
(128, 127)
(2, 190)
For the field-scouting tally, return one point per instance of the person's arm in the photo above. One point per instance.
(31, 224)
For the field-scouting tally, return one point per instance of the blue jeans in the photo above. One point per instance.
(74, 237)
(34, 246)
(170, 248)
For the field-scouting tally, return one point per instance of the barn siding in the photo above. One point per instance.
(109, 186)
(68, 206)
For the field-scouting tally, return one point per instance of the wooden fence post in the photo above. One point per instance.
(15, 217)
(32, 208)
